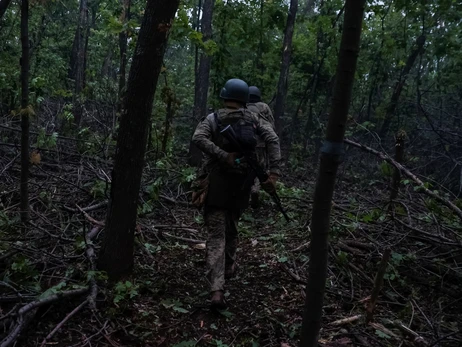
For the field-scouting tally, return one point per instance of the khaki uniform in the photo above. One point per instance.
(265, 114)
(229, 188)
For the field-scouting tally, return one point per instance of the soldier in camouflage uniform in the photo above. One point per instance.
(230, 179)
(264, 112)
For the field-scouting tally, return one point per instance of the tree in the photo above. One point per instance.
(390, 111)
(26, 111)
(78, 59)
(329, 162)
(123, 40)
(284, 72)
(116, 255)
(202, 76)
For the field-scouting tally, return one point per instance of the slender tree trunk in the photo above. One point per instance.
(284, 73)
(390, 111)
(202, 79)
(123, 40)
(399, 157)
(330, 160)
(25, 113)
(309, 7)
(3, 7)
(116, 256)
(77, 62)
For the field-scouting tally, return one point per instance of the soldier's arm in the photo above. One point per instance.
(270, 116)
(202, 138)
(272, 144)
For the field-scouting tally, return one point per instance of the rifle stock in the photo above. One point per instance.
(230, 135)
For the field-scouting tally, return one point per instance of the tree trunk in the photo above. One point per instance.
(116, 256)
(3, 7)
(25, 113)
(284, 73)
(78, 55)
(390, 111)
(123, 40)
(309, 8)
(330, 160)
(399, 156)
(202, 79)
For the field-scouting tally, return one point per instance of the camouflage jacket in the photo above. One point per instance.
(265, 114)
(206, 138)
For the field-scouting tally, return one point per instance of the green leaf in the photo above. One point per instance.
(180, 309)
(382, 335)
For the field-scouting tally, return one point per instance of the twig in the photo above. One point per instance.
(7, 166)
(183, 238)
(292, 274)
(347, 320)
(24, 318)
(377, 285)
(90, 252)
(60, 325)
(88, 208)
(410, 175)
(90, 219)
(418, 340)
(173, 201)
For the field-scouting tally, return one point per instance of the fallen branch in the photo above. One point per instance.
(173, 201)
(293, 275)
(59, 326)
(88, 208)
(347, 320)
(410, 175)
(418, 340)
(7, 166)
(182, 238)
(90, 252)
(377, 285)
(23, 317)
(90, 218)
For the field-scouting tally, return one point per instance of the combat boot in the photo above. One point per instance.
(218, 300)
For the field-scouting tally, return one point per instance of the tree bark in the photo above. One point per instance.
(390, 111)
(330, 160)
(116, 256)
(202, 79)
(77, 62)
(25, 113)
(284, 72)
(3, 7)
(123, 40)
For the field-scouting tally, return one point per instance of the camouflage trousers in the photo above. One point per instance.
(261, 159)
(222, 241)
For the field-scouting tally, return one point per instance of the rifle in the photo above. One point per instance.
(230, 135)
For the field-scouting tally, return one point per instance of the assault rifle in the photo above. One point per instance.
(230, 135)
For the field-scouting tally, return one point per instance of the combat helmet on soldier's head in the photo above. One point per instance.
(235, 89)
(254, 94)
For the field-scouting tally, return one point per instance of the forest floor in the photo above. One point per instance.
(165, 302)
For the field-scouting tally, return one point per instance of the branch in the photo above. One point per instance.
(24, 317)
(410, 175)
(3, 7)
(59, 326)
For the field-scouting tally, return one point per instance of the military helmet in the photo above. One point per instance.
(235, 89)
(254, 94)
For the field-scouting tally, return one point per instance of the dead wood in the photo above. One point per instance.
(410, 175)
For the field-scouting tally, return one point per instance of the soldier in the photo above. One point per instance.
(264, 112)
(228, 179)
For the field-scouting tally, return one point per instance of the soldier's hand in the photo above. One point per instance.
(231, 158)
(270, 185)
